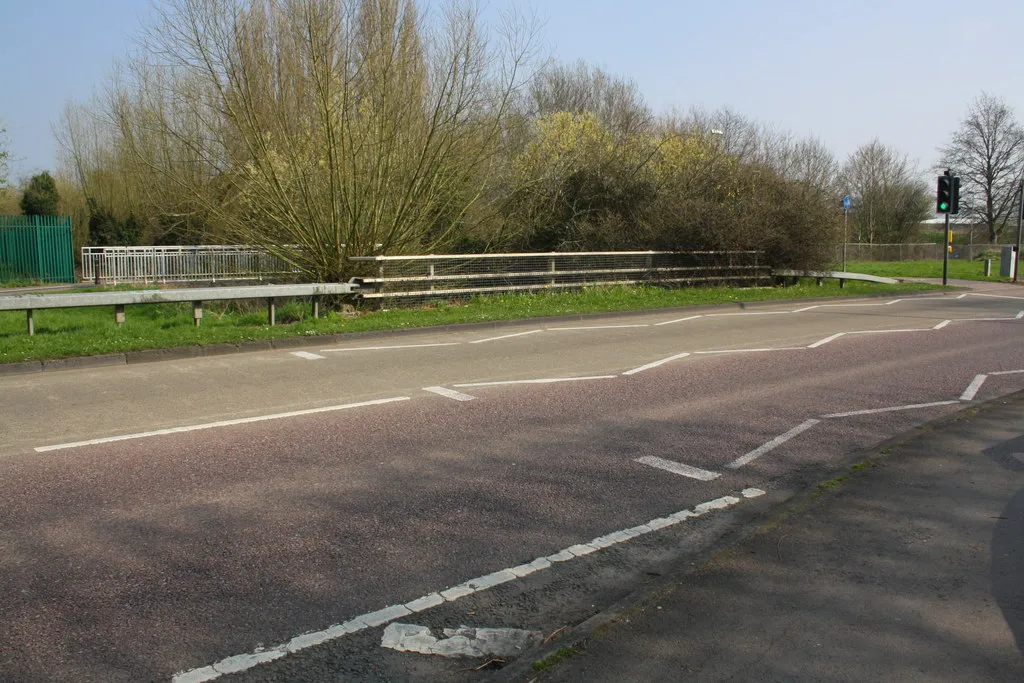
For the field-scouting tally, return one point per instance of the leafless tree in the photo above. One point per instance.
(987, 152)
(889, 200)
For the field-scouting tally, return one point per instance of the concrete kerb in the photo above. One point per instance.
(186, 352)
(781, 503)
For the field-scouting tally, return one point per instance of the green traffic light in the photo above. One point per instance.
(943, 206)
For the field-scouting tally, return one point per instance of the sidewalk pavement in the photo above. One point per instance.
(911, 568)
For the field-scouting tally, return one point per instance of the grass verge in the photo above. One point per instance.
(62, 333)
(958, 269)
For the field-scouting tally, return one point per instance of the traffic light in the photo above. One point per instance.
(944, 194)
(954, 204)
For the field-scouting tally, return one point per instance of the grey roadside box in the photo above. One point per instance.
(1008, 261)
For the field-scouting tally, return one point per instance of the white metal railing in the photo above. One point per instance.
(207, 263)
(466, 274)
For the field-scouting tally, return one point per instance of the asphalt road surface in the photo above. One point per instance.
(191, 520)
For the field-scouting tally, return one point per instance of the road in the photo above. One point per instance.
(195, 517)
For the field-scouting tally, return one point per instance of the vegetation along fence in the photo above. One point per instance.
(181, 264)
(454, 275)
(36, 248)
(912, 252)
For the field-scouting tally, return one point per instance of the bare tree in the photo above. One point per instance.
(988, 153)
(5, 157)
(889, 201)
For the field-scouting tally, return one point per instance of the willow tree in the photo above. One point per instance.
(321, 129)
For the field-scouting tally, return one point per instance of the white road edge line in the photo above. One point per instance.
(872, 411)
(995, 296)
(385, 348)
(916, 329)
(243, 662)
(985, 320)
(505, 336)
(972, 389)
(942, 324)
(221, 423)
(307, 355)
(678, 468)
(826, 340)
(594, 327)
(783, 348)
(722, 315)
(678, 320)
(774, 443)
(1007, 372)
(449, 393)
(655, 364)
(547, 380)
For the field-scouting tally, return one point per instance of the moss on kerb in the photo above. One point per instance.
(554, 658)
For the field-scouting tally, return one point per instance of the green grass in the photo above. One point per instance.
(552, 660)
(68, 332)
(958, 269)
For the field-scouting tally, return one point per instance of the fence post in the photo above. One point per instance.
(96, 270)
(551, 267)
(272, 311)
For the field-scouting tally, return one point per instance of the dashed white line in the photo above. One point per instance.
(307, 355)
(380, 617)
(678, 468)
(220, 423)
(449, 393)
(826, 340)
(942, 324)
(678, 320)
(655, 364)
(783, 348)
(872, 411)
(594, 327)
(972, 389)
(387, 348)
(505, 336)
(774, 443)
(547, 380)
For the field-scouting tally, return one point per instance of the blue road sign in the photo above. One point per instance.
(846, 203)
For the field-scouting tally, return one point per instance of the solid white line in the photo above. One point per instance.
(826, 340)
(450, 393)
(806, 308)
(894, 301)
(385, 348)
(916, 329)
(872, 411)
(1007, 372)
(982, 320)
(722, 315)
(307, 355)
(221, 423)
(678, 468)
(996, 296)
(678, 320)
(783, 348)
(774, 443)
(594, 327)
(942, 324)
(549, 380)
(244, 662)
(505, 336)
(655, 364)
(972, 389)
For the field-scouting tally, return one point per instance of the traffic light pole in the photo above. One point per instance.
(945, 254)
(1020, 216)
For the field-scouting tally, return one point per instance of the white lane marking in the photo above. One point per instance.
(220, 423)
(807, 308)
(505, 336)
(1007, 372)
(594, 327)
(722, 315)
(942, 324)
(655, 364)
(363, 622)
(783, 348)
(972, 389)
(678, 468)
(387, 348)
(678, 320)
(774, 443)
(872, 411)
(995, 296)
(979, 320)
(459, 642)
(826, 340)
(449, 393)
(547, 380)
(916, 329)
(307, 355)
(896, 301)
(962, 296)
(1020, 314)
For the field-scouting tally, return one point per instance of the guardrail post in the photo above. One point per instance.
(197, 312)
(272, 311)
(119, 314)
(988, 267)
(316, 307)
(31, 323)
(842, 283)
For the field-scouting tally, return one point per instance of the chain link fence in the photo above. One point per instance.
(912, 252)
(417, 278)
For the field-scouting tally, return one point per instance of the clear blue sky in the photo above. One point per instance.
(845, 72)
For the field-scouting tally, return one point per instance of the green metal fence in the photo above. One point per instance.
(36, 248)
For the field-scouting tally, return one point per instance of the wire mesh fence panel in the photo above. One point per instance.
(181, 264)
(913, 252)
(418, 278)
